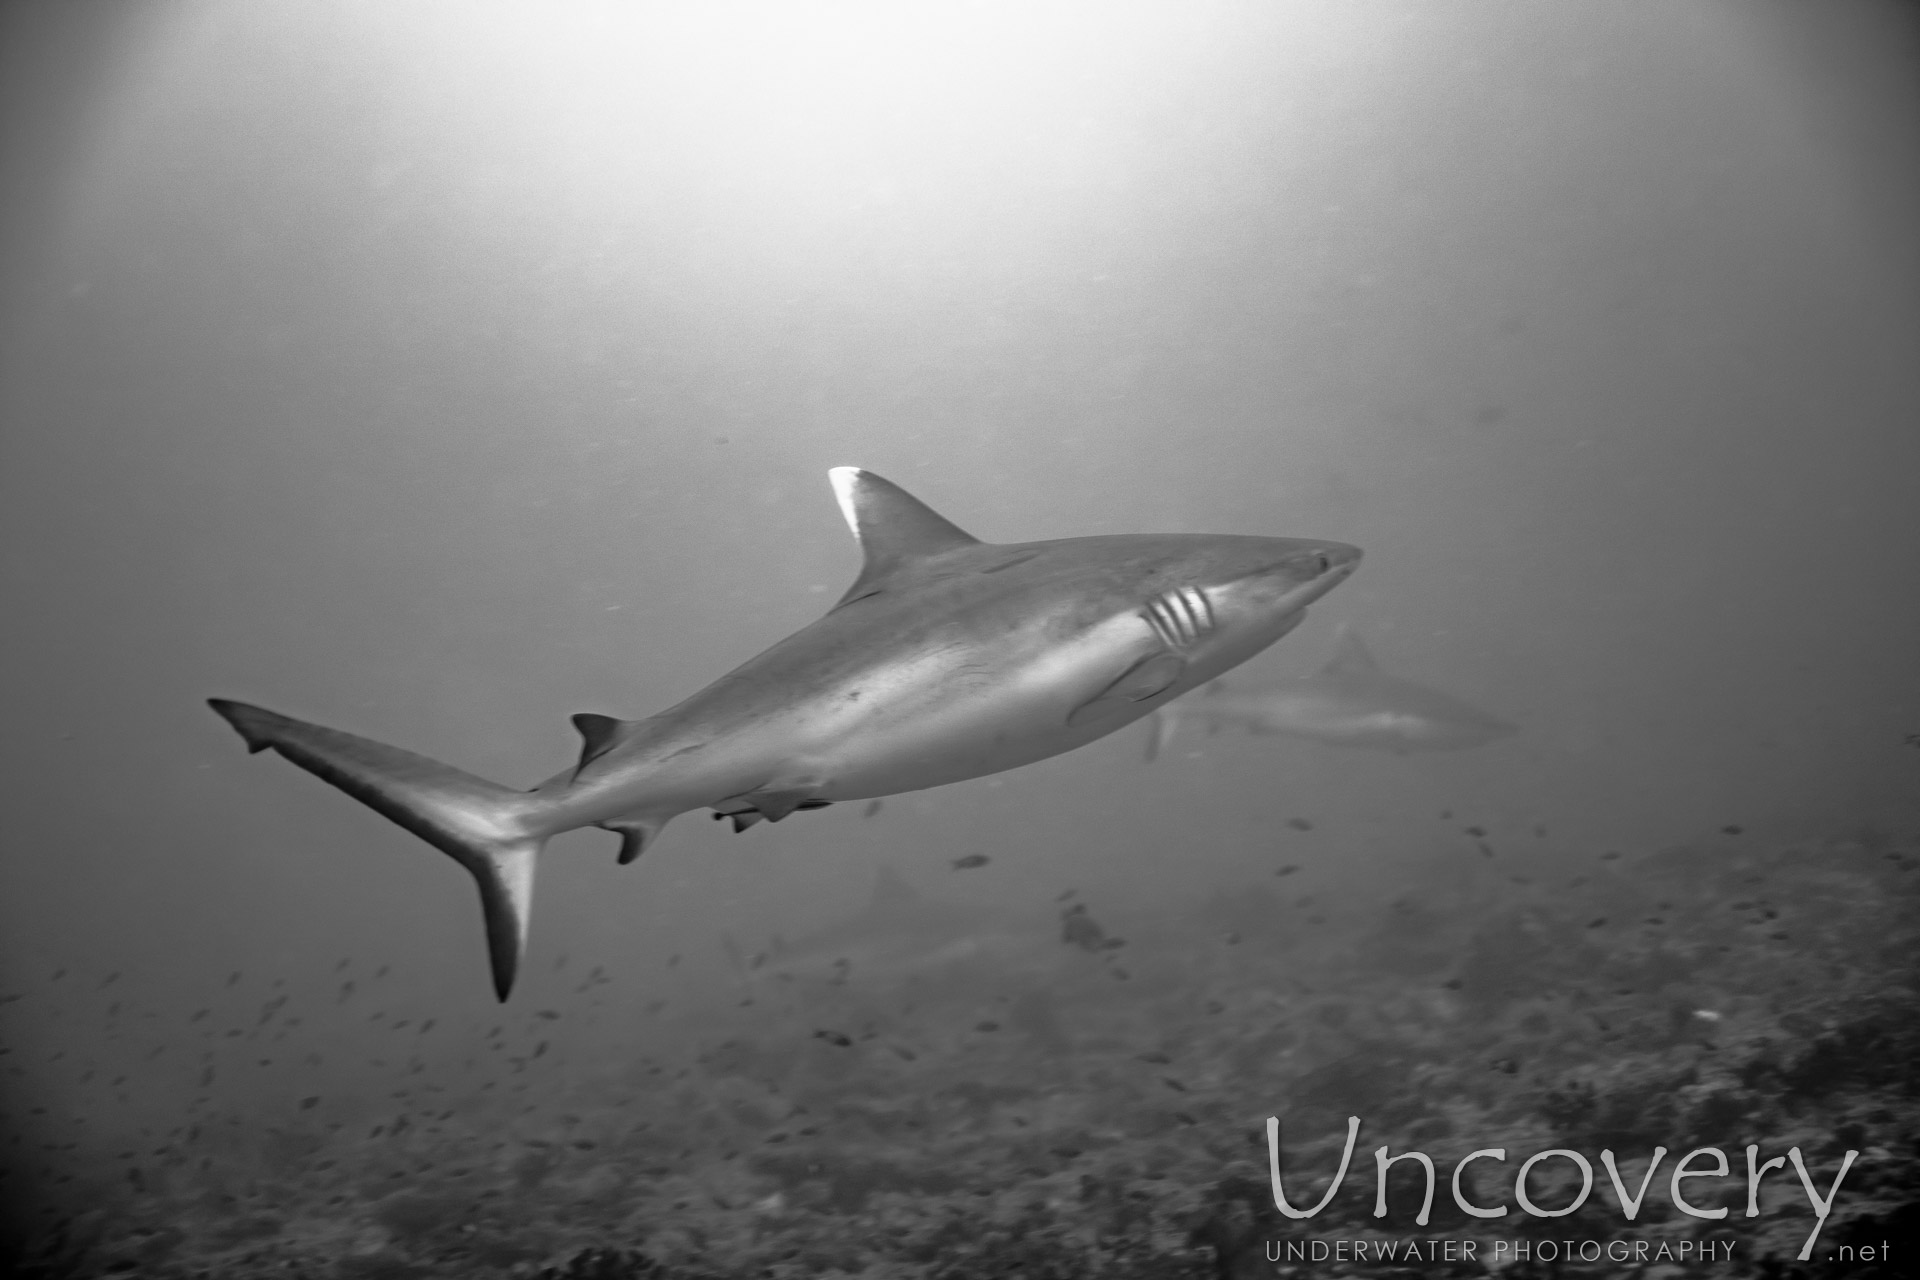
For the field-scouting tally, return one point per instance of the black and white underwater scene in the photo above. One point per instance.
(959, 641)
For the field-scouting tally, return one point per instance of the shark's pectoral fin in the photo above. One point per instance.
(635, 834)
(1144, 679)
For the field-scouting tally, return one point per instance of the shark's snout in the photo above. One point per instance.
(1311, 572)
(1337, 557)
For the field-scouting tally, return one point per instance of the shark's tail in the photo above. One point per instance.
(481, 825)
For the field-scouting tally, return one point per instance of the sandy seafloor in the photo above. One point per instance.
(1093, 1107)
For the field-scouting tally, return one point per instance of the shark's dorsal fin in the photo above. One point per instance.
(1350, 655)
(598, 735)
(890, 889)
(896, 530)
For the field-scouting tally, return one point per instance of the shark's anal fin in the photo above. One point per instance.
(598, 735)
(635, 834)
(1154, 674)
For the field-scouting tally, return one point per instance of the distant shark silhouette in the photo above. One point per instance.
(899, 934)
(948, 658)
(1350, 702)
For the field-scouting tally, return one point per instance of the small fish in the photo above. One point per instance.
(873, 807)
(1299, 824)
(1287, 870)
(1478, 833)
(838, 1038)
(1079, 929)
(1732, 829)
(971, 861)
(309, 1103)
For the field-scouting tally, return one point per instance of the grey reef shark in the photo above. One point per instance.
(1349, 702)
(949, 658)
(899, 935)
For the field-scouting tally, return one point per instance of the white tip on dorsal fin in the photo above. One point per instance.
(1350, 655)
(895, 528)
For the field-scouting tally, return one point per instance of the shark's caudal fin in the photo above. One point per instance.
(474, 820)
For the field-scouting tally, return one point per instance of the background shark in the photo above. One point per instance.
(949, 658)
(1349, 702)
(899, 935)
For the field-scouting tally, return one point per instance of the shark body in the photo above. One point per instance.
(1350, 702)
(898, 936)
(949, 658)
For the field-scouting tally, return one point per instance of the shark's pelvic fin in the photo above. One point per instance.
(896, 530)
(473, 820)
(1350, 655)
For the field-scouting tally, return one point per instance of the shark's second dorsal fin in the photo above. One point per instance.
(598, 735)
(1350, 655)
(895, 529)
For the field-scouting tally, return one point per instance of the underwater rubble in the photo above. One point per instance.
(1103, 1115)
